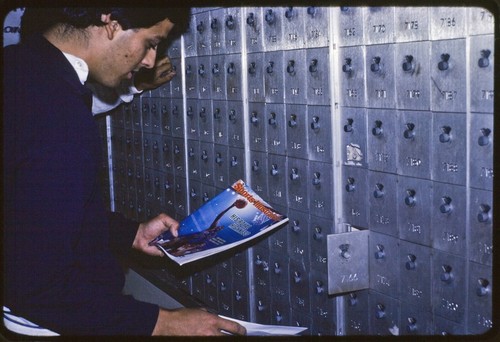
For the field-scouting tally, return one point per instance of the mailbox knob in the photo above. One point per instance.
(295, 174)
(446, 206)
(350, 186)
(408, 64)
(380, 253)
(270, 17)
(177, 149)
(443, 64)
(238, 296)
(483, 287)
(409, 132)
(223, 286)
(206, 198)
(255, 166)
(315, 123)
(318, 235)
(253, 118)
(217, 114)
(319, 287)
(201, 70)
(348, 126)
(379, 191)
(191, 152)
(353, 299)
(251, 68)
(279, 317)
(484, 61)
(378, 130)
(484, 139)
(272, 120)
(175, 110)
(208, 279)
(411, 199)
(214, 25)
(484, 215)
(344, 251)
(380, 311)
(289, 13)
(347, 67)
(251, 19)
(230, 68)
(270, 67)
(445, 135)
(293, 120)
(375, 66)
(296, 226)
(313, 66)
(189, 111)
(316, 178)
(274, 170)
(232, 115)
(411, 263)
(203, 112)
(447, 275)
(230, 22)
(277, 268)
(218, 158)
(234, 161)
(204, 155)
(297, 277)
(260, 306)
(290, 69)
(215, 69)
(311, 10)
(412, 325)
(200, 28)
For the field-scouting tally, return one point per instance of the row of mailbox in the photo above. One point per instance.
(427, 75)
(219, 31)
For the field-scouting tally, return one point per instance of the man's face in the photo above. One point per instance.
(128, 51)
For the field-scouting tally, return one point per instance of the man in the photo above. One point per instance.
(59, 271)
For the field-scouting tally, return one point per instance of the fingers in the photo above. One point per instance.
(170, 223)
(232, 327)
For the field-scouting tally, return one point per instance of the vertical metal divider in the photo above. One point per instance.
(110, 164)
(468, 120)
(185, 133)
(336, 146)
(246, 135)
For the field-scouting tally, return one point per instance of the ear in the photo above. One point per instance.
(111, 26)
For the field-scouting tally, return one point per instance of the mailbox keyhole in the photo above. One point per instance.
(443, 64)
(378, 130)
(379, 191)
(484, 61)
(484, 139)
(484, 215)
(445, 135)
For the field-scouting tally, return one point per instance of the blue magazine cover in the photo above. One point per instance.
(233, 217)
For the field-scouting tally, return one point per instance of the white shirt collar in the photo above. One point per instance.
(80, 66)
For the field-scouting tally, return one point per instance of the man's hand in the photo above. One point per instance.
(149, 230)
(194, 322)
(148, 79)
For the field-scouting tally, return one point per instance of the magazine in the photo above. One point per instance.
(255, 329)
(229, 219)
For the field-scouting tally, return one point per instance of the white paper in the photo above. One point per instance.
(255, 329)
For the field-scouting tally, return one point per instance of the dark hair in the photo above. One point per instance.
(40, 19)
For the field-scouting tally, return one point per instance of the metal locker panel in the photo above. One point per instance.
(232, 26)
(137, 147)
(158, 195)
(415, 277)
(351, 21)
(205, 120)
(319, 229)
(480, 20)
(412, 75)
(380, 81)
(280, 314)
(207, 163)
(319, 134)
(293, 28)
(298, 236)
(146, 114)
(180, 196)
(279, 282)
(356, 317)
(177, 118)
(316, 26)
(167, 148)
(198, 284)
(169, 193)
(204, 75)
(480, 308)
(148, 185)
(277, 179)
(445, 327)
(355, 196)
(259, 173)
(233, 77)
(295, 73)
(449, 286)
(351, 71)
(217, 78)
(481, 226)
(449, 139)
(194, 160)
(299, 287)
(481, 151)
(275, 128)
(255, 72)
(217, 31)
(319, 189)
(296, 130)
(147, 149)
(155, 115)
(211, 282)
(189, 38)
(448, 22)
(384, 264)
(166, 116)
(411, 24)
(202, 34)
(413, 139)
(262, 304)
(195, 195)
(136, 114)
(174, 48)
(235, 125)
(236, 164)
(318, 77)
(482, 62)
(118, 144)
(379, 25)
(156, 144)
(192, 118)
(354, 136)
(128, 110)
(176, 82)
(382, 146)
(297, 179)
(448, 70)
(257, 126)
(384, 313)
(414, 195)
(415, 321)
(220, 122)
(301, 319)
(448, 220)
(221, 166)
(207, 192)
(323, 310)
(225, 288)
(382, 189)
(274, 85)
(191, 76)
(254, 29)
(272, 24)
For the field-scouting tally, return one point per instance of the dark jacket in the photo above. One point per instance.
(58, 268)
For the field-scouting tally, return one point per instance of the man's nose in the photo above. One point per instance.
(149, 60)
